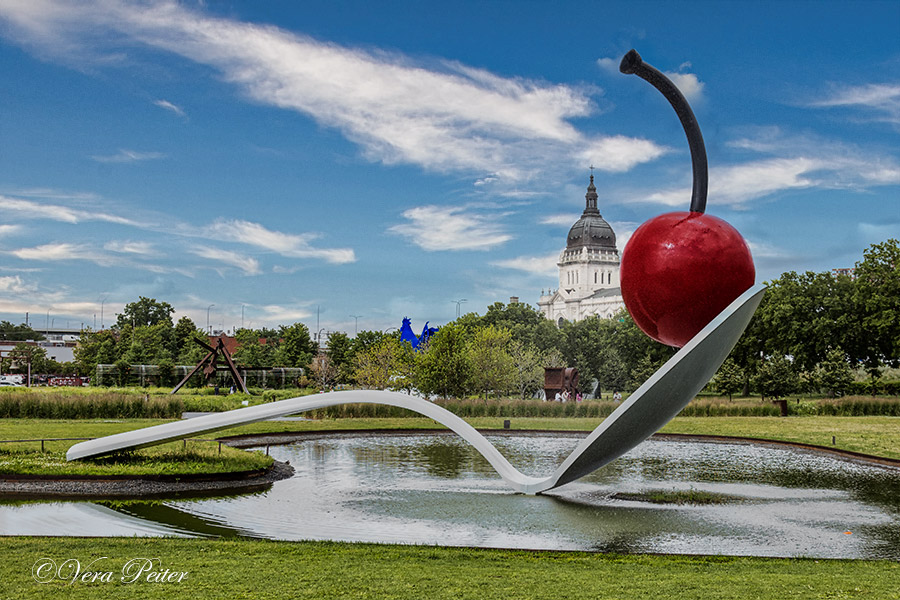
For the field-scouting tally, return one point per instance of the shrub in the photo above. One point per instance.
(108, 405)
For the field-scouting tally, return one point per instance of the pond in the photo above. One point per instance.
(435, 489)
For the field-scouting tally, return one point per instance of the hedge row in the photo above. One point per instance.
(113, 405)
(875, 388)
(851, 406)
(97, 406)
(705, 408)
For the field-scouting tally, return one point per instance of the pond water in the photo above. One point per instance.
(435, 489)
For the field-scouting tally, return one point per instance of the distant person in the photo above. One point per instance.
(578, 397)
(558, 397)
(617, 397)
(565, 396)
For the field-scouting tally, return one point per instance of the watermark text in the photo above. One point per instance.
(104, 570)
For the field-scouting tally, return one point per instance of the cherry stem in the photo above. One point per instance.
(633, 64)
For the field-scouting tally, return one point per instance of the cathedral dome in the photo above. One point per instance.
(591, 230)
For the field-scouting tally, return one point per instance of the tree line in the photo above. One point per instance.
(812, 331)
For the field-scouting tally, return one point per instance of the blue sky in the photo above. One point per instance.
(383, 159)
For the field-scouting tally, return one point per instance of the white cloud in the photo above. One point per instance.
(284, 314)
(7, 230)
(766, 251)
(457, 230)
(285, 244)
(56, 251)
(800, 162)
(624, 231)
(128, 156)
(15, 285)
(610, 65)
(690, 86)
(250, 266)
(120, 257)
(875, 233)
(170, 107)
(130, 247)
(566, 220)
(52, 194)
(735, 185)
(31, 209)
(535, 265)
(619, 153)
(882, 99)
(446, 117)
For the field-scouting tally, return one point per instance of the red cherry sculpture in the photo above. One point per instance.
(679, 270)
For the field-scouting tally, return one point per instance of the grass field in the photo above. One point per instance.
(175, 458)
(878, 436)
(260, 569)
(269, 570)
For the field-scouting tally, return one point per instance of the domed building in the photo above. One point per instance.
(588, 269)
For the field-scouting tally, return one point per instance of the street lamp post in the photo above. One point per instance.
(355, 324)
(458, 302)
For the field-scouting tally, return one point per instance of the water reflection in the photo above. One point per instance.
(435, 489)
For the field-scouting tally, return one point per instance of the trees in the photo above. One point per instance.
(729, 379)
(833, 374)
(253, 349)
(94, 347)
(876, 301)
(528, 364)
(340, 351)
(492, 368)
(18, 333)
(804, 316)
(145, 312)
(388, 363)
(323, 371)
(444, 366)
(184, 350)
(375, 365)
(146, 345)
(776, 377)
(809, 319)
(365, 339)
(295, 348)
(23, 355)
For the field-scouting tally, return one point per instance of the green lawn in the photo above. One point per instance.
(878, 436)
(230, 569)
(174, 458)
(260, 569)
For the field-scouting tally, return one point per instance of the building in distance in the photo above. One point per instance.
(588, 270)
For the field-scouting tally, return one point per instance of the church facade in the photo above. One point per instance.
(588, 270)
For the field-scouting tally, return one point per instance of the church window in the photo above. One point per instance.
(595, 276)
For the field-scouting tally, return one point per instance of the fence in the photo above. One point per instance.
(152, 375)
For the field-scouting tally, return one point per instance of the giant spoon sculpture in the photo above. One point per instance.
(687, 280)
